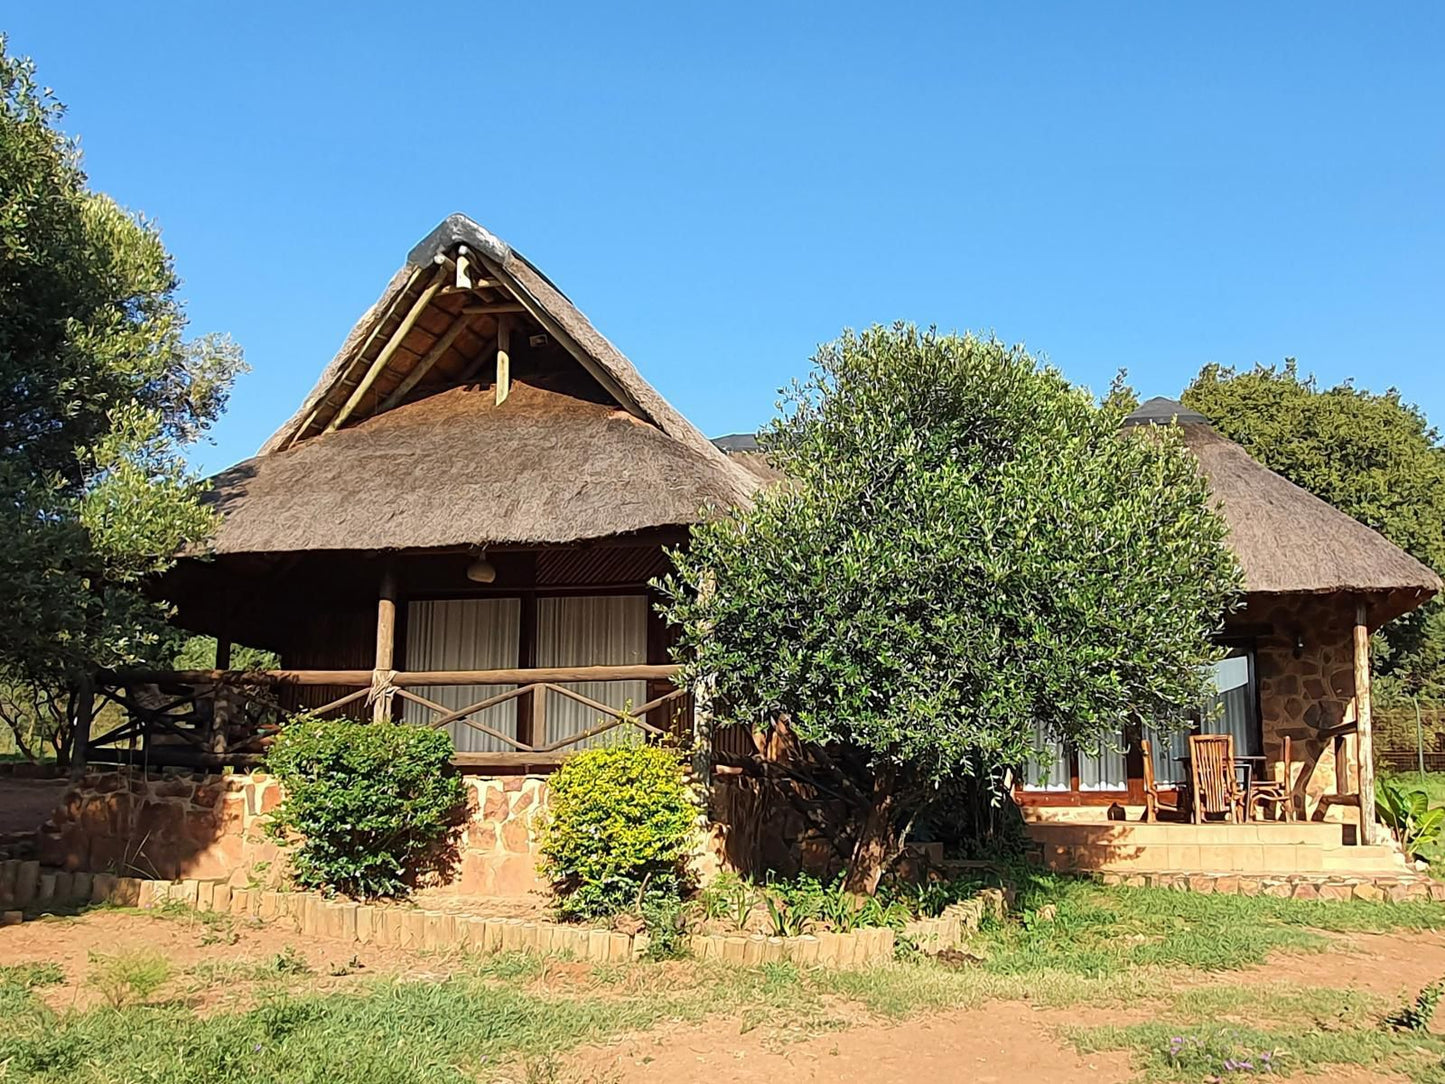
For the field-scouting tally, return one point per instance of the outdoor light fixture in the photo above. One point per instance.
(481, 570)
(1299, 644)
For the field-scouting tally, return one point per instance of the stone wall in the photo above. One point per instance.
(174, 824)
(1306, 686)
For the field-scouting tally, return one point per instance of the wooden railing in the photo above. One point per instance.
(205, 718)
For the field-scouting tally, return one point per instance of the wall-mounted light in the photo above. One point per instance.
(1299, 644)
(481, 570)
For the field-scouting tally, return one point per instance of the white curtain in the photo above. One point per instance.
(1104, 770)
(1231, 709)
(1168, 749)
(465, 634)
(600, 630)
(1048, 767)
(1228, 710)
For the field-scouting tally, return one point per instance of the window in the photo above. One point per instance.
(465, 634)
(595, 630)
(1231, 709)
(1054, 765)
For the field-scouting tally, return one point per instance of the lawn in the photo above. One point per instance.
(137, 1016)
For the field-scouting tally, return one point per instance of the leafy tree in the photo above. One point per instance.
(966, 545)
(1374, 457)
(99, 393)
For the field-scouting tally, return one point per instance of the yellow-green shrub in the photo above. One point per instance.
(618, 832)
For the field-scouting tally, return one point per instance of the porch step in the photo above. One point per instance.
(1261, 849)
(1363, 860)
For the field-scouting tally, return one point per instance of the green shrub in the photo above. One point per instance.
(367, 806)
(618, 832)
(128, 978)
(1407, 812)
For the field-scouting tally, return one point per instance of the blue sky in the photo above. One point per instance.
(721, 187)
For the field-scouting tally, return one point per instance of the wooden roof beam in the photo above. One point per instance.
(539, 313)
(422, 367)
(377, 366)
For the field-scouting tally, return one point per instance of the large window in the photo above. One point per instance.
(595, 630)
(1054, 765)
(1232, 708)
(485, 634)
(465, 634)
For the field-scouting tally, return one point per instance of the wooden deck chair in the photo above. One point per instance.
(1153, 794)
(1278, 793)
(1213, 784)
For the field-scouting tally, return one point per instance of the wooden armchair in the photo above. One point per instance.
(1213, 783)
(1278, 793)
(1153, 806)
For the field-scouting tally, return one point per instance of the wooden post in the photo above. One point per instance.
(223, 653)
(527, 732)
(504, 358)
(1366, 745)
(82, 714)
(385, 642)
(538, 727)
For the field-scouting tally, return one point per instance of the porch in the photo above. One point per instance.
(225, 718)
(1318, 849)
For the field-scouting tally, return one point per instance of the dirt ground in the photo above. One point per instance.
(999, 1041)
(197, 952)
(25, 804)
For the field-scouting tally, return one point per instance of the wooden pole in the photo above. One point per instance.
(379, 365)
(504, 358)
(422, 367)
(84, 712)
(223, 653)
(385, 640)
(1363, 727)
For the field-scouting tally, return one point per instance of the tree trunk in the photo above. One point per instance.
(878, 842)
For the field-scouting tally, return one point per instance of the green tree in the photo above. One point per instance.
(99, 393)
(1374, 457)
(966, 546)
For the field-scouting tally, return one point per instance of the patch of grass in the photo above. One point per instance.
(392, 1033)
(1098, 930)
(32, 975)
(214, 927)
(1163, 1051)
(128, 978)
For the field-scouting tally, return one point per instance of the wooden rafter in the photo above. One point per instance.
(504, 358)
(365, 346)
(379, 365)
(422, 367)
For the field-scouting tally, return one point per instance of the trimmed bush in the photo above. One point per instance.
(618, 832)
(367, 806)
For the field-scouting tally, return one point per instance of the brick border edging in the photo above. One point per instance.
(1392, 888)
(404, 927)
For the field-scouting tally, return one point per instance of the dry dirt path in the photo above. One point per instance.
(999, 1041)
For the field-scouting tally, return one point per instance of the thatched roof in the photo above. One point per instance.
(1287, 540)
(744, 450)
(407, 440)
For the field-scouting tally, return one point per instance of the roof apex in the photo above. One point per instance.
(1161, 410)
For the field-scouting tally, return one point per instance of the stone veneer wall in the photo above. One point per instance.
(172, 824)
(1301, 696)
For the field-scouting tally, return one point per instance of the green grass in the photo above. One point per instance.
(1100, 931)
(1166, 1051)
(1106, 946)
